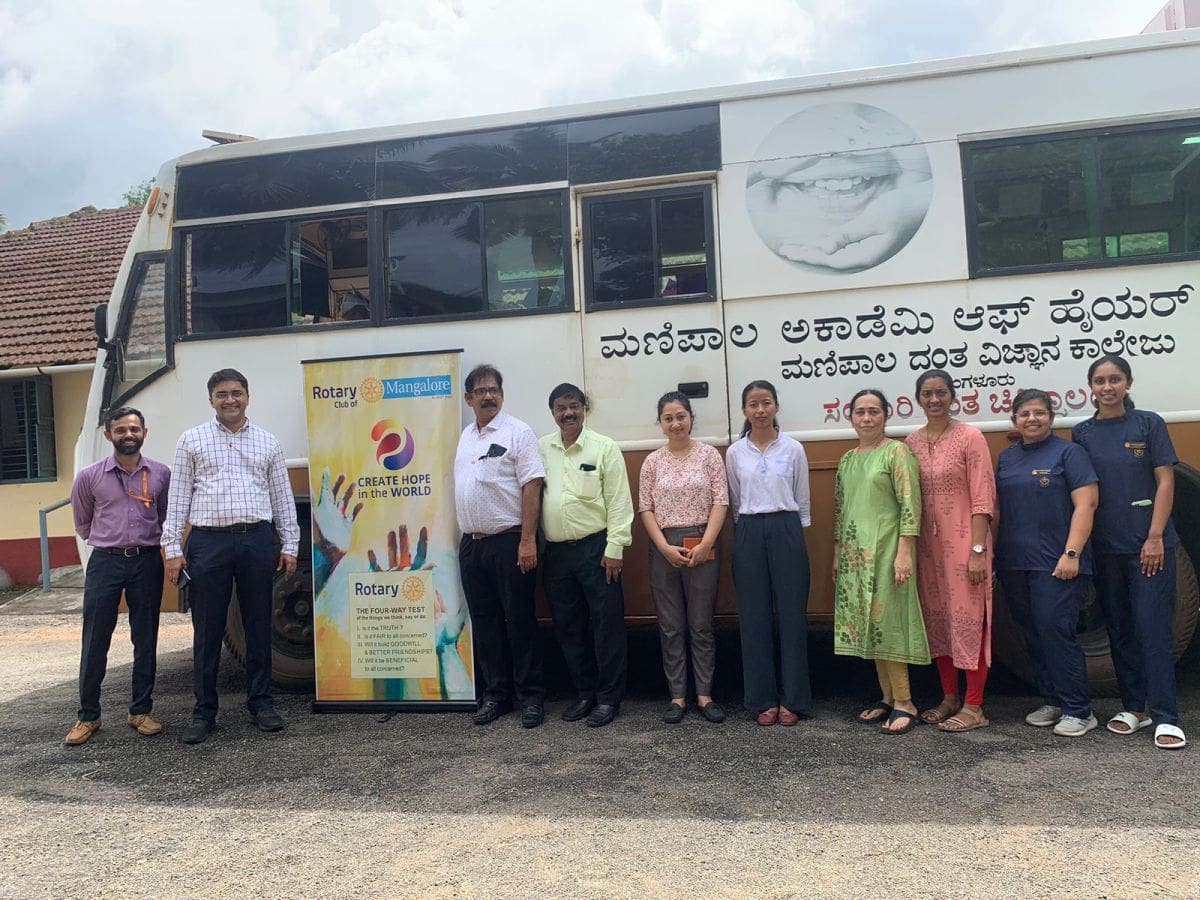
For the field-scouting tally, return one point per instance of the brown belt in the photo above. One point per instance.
(479, 536)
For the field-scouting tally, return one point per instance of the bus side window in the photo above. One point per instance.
(141, 334)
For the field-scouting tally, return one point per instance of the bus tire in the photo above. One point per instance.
(292, 664)
(1008, 645)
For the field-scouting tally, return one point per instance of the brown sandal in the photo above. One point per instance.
(964, 720)
(940, 713)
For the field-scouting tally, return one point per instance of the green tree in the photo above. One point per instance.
(3, 222)
(139, 193)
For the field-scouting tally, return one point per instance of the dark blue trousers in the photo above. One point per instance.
(508, 648)
(1047, 611)
(216, 561)
(1140, 611)
(771, 573)
(140, 578)
(589, 617)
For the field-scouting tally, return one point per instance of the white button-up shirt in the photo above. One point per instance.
(768, 481)
(222, 477)
(491, 466)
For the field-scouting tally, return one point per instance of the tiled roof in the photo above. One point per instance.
(52, 275)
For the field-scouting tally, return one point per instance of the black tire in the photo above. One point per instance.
(1008, 646)
(292, 663)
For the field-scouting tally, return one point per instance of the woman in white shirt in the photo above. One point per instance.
(769, 496)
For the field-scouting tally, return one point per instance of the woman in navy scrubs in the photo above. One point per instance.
(1048, 496)
(1134, 542)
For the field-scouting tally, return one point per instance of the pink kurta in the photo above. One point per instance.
(957, 482)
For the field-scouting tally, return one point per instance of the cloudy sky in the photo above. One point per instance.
(96, 94)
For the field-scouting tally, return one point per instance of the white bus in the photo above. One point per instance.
(1006, 217)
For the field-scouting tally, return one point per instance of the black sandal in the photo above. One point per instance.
(896, 716)
(885, 711)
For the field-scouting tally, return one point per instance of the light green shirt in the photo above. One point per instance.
(587, 490)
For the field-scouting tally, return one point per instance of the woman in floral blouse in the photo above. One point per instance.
(682, 500)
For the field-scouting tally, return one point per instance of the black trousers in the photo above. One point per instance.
(589, 617)
(216, 560)
(140, 578)
(508, 650)
(771, 574)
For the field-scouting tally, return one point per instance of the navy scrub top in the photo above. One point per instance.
(1034, 483)
(1125, 452)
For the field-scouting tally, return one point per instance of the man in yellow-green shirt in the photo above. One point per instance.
(587, 517)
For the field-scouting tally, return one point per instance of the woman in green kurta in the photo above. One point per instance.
(876, 611)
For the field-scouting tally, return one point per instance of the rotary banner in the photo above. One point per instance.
(390, 620)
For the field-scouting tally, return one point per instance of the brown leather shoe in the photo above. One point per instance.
(146, 724)
(81, 733)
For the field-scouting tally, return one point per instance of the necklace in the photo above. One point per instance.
(933, 444)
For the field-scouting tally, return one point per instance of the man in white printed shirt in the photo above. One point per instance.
(497, 493)
(229, 482)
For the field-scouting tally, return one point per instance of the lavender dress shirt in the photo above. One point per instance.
(112, 509)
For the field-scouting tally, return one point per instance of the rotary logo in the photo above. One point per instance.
(393, 450)
(371, 389)
(413, 589)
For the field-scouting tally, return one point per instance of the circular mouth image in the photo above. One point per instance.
(839, 187)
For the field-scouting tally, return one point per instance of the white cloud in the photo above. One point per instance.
(94, 96)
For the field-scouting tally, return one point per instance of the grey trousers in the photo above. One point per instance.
(685, 599)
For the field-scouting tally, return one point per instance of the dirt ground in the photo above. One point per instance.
(432, 806)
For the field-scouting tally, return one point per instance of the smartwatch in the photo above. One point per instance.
(1071, 553)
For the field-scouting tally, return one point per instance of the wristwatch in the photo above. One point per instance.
(978, 548)
(1070, 553)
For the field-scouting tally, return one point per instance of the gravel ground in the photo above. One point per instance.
(431, 806)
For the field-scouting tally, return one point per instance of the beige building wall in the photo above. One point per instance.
(19, 503)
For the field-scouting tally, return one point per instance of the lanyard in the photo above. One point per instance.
(144, 496)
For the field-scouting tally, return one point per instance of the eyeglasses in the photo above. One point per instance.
(229, 395)
(485, 391)
(1034, 414)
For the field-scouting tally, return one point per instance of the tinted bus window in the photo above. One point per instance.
(236, 278)
(470, 162)
(280, 181)
(1082, 200)
(644, 144)
(494, 255)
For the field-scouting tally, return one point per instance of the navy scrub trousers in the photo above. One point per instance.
(1047, 611)
(1140, 611)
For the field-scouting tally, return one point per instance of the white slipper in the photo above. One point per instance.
(1131, 722)
(1165, 730)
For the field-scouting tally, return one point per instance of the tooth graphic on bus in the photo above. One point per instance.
(841, 188)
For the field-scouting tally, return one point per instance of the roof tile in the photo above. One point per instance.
(52, 275)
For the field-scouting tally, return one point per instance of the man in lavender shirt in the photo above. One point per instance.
(119, 505)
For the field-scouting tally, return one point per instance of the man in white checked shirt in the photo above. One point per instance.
(229, 482)
(497, 492)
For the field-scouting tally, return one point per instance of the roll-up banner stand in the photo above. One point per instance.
(391, 629)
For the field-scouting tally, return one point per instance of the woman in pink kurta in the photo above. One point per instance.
(954, 552)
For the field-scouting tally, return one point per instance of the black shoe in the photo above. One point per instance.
(489, 711)
(578, 709)
(532, 716)
(602, 715)
(267, 719)
(712, 712)
(197, 732)
(674, 714)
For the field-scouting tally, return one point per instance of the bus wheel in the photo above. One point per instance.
(292, 666)
(1008, 645)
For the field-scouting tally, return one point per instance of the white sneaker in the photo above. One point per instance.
(1072, 726)
(1044, 716)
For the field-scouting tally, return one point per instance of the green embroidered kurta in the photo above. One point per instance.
(878, 497)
